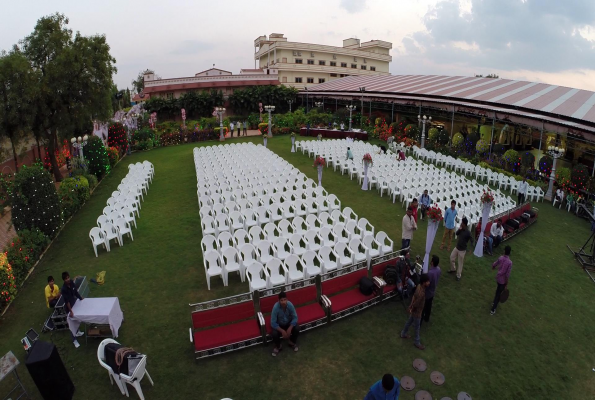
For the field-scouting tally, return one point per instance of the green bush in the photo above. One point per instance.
(433, 134)
(113, 156)
(458, 139)
(79, 167)
(35, 202)
(412, 132)
(482, 147)
(563, 176)
(485, 133)
(24, 250)
(143, 135)
(96, 155)
(263, 127)
(498, 149)
(545, 165)
(92, 180)
(528, 160)
(144, 145)
(73, 193)
(579, 176)
(471, 142)
(443, 137)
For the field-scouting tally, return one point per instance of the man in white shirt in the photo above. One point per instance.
(496, 233)
(407, 228)
(560, 195)
(522, 191)
(231, 126)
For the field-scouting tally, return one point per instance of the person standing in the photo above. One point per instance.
(245, 128)
(434, 274)
(522, 191)
(463, 237)
(342, 127)
(52, 293)
(239, 125)
(504, 265)
(404, 273)
(425, 201)
(71, 294)
(449, 224)
(231, 126)
(415, 310)
(407, 227)
(284, 324)
(415, 206)
(496, 235)
(386, 389)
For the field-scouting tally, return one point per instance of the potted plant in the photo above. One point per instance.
(292, 135)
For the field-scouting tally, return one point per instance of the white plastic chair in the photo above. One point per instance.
(123, 229)
(248, 255)
(236, 220)
(241, 237)
(360, 251)
(257, 235)
(386, 244)
(249, 218)
(365, 227)
(292, 264)
(349, 214)
(208, 226)
(345, 254)
(328, 264)
(257, 276)
(341, 235)
(129, 215)
(111, 232)
(281, 248)
(97, 237)
(102, 220)
(265, 251)
(295, 242)
(134, 380)
(231, 262)
(101, 358)
(263, 215)
(313, 241)
(208, 242)
(224, 241)
(372, 245)
(299, 225)
(275, 277)
(212, 263)
(312, 264)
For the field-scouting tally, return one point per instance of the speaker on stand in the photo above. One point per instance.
(48, 372)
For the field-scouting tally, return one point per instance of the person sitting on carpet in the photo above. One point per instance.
(52, 293)
(284, 321)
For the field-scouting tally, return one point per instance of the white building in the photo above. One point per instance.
(303, 64)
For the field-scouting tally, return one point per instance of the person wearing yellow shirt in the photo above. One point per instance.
(52, 293)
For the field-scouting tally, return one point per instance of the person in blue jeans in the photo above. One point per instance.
(449, 224)
(284, 322)
(496, 236)
(386, 389)
(415, 310)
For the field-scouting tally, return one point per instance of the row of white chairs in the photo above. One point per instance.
(123, 207)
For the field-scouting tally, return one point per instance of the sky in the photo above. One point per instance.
(551, 41)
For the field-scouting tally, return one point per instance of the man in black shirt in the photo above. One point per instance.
(70, 294)
(463, 237)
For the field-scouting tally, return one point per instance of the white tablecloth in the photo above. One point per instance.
(103, 310)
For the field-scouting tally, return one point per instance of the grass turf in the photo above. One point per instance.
(536, 346)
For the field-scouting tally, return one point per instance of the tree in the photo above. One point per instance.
(75, 79)
(96, 153)
(17, 90)
(139, 83)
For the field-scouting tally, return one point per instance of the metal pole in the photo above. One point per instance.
(423, 133)
(221, 135)
(392, 113)
(452, 127)
(270, 123)
(492, 135)
(550, 189)
(350, 120)
(541, 136)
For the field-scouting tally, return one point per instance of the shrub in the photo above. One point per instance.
(511, 159)
(8, 285)
(545, 165)
(563, 177)
(412, 132)
(116, 136)
(498, 149)
(96, 155)
(143, 134)
(458, 139)
(471, 143)
(528, 160)
(24, 250)
(113, 155)
(35, 202)
(482, 147)
(443, 137)
(79, 167)
(6, 182)
(579, 176)
(73, 193)
(92, 180)
(433, 134)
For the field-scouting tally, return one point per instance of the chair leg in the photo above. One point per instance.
(149, 376)
(139, 390)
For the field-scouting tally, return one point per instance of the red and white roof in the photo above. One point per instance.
(540, 98)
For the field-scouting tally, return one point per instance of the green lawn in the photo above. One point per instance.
(536, 346)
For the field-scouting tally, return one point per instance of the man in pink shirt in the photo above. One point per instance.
(504, 267)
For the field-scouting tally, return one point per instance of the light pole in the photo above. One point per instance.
(554, 152)
(423, 120)
(78, 143)
(361, 110)
(351, 109)
(220, 111)
(270, 109)
(290, 103)
(306, 89)
(319, 104)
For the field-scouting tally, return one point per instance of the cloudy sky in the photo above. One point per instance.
(549, 41)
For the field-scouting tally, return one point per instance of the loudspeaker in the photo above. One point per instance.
(48, 372)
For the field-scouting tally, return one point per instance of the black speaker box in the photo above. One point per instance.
(48, 372)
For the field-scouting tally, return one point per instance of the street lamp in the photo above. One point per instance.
(220, 111)
(306, 89)
(424, 120)
(555, 152)
(319, 104)
(78, 143)
(351, 109)
(290, 103)
(362, 90)
(270, 109)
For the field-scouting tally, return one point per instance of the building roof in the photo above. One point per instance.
(521, 97)
(212, 69)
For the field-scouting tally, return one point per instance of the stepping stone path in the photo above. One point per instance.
(423, 395)
(419, 365)
(407, 383)
(437, 378)
(463, 396)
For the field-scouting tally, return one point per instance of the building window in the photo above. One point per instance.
(284, 59)
(372, 68)
(321, 62)
(354, 66)
(311, 62)
(298, 61)
(333, 63)
(310, 80)
(334, 75)
(170, 96)
(321, 80)
(298, 80)
(343, 75)
(344, 65)
(284, 79)
(363, 67)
